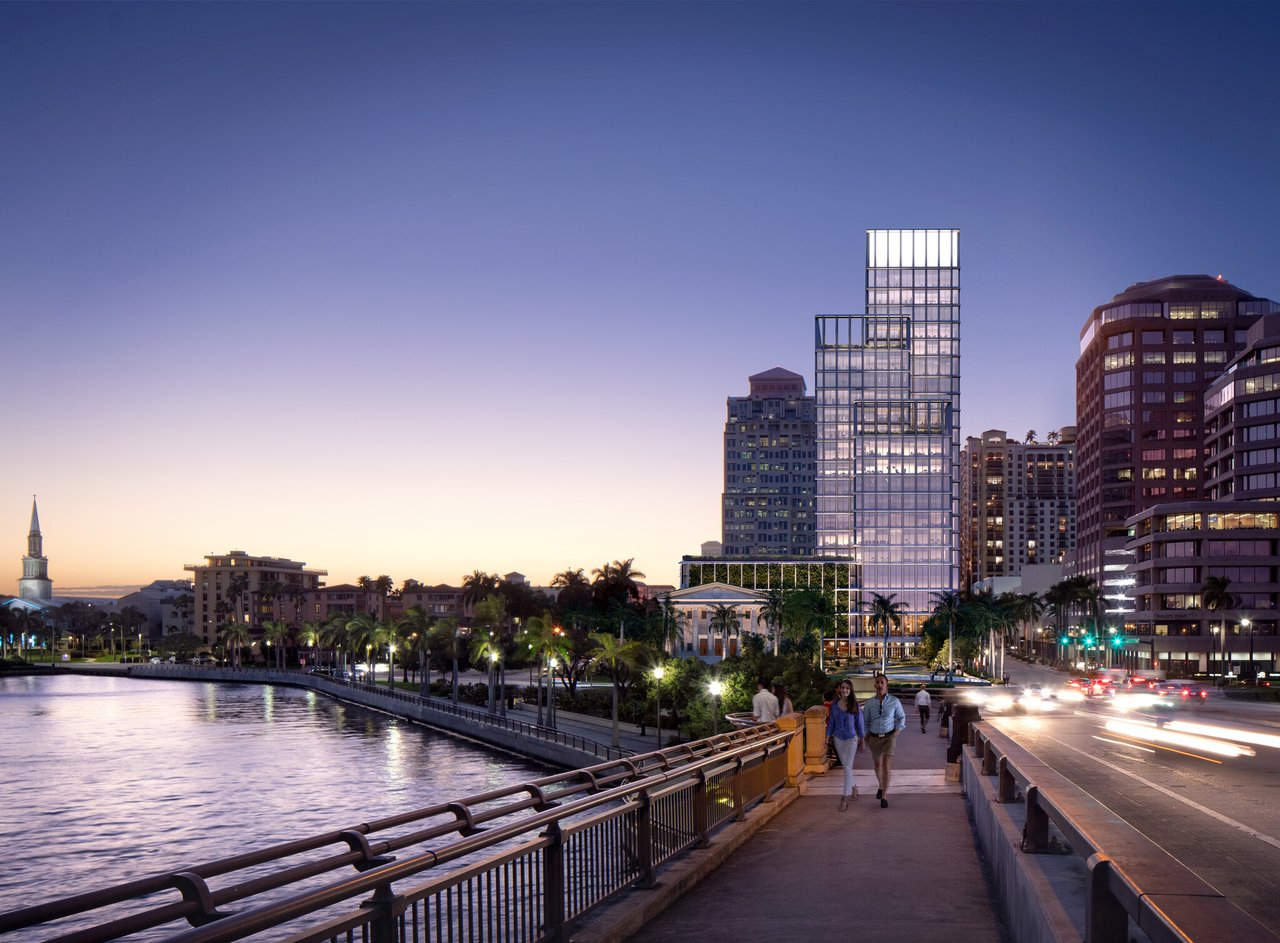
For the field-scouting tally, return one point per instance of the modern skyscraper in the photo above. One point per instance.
(35, 583)
(888, 391)
(1146, 359)
(769, 465)
(1019, 503)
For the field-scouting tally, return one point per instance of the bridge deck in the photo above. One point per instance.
(908, 872)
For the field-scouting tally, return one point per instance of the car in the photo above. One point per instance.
(1099, 687)
(155, 660)
(1139, 685)
(1182, 692)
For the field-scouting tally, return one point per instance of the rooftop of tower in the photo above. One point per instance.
(1179, 288)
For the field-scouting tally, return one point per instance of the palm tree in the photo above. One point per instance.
(616, 581)
(546, 642)
(1026, 609)
(477, 586)
(277, 634)
(1215, 596)
(313, 632)
(1054, 438)
(1031, 437)
(672, 625)
(885, 612)
(575, 589)
(491, 620)
(724, 620)
(416, 625)
(235, 635)
(447, 628)
(361, 632)
(948, 606)
(617, 658)
(771, 613)
(486, 647)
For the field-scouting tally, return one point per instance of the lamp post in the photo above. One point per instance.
(716, 689)
(391, 665)
(1214, 658)
(1248, 627)
(658, 672)
(551, 692)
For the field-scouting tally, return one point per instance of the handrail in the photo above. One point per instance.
(1130, 876)
(321, 682)
(558, 802)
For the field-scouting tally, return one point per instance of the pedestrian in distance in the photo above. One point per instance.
(847, 730)
(784, 703)
(923, 703)
(764, 706)
(885, 719)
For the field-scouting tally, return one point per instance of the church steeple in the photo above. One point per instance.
(35, 543)
(35, 583)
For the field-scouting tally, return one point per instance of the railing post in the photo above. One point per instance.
(553, 882)
(1105, 919)
(1006, 786)
(739, 791)
(700, 811)
(644, 839)
(815, 740)
(386, 908)
(794, 754)
(1036, 830)
(988, 757)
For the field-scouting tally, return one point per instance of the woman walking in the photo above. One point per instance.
(848, 730)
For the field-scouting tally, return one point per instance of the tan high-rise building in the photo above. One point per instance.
(1019, 503)
(237, 587)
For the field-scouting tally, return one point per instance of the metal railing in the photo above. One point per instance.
(528, 860)
(330, 685)
(1128, 875)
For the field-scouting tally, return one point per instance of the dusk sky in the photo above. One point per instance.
(422, 288)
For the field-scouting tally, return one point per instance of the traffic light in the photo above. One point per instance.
(1088, 641)
(1117, 642)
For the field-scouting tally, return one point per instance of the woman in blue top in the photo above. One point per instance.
(848, 729)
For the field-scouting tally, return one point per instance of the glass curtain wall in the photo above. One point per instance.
(888, 398)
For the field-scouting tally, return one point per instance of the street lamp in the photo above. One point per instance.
(391, 665)
(551, 692)
(1248, 627)
(716, 689)
(493, 676)
(1214, 630)
(658, 672)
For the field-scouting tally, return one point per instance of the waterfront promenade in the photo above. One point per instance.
(908, 872)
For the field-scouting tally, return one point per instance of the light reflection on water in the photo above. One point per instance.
(106, 779)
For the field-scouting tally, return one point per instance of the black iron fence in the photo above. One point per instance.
(516, 864)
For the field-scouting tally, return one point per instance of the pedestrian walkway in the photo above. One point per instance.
(908, 872)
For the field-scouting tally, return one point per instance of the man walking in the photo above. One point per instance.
(923, 703)
(764, 706)
(885, 718)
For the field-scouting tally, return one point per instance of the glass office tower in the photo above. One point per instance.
(888, 396)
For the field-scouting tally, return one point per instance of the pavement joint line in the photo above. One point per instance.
(1204, 810)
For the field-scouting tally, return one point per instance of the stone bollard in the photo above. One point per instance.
(795, 749)
(815, 740)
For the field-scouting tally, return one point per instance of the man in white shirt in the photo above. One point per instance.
(923, 703)
(885, 720)
(764, 706)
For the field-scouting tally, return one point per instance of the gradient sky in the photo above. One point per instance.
(419, 289)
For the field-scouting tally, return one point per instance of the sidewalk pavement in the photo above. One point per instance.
(908, 872)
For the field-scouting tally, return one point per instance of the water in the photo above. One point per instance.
(105, 779)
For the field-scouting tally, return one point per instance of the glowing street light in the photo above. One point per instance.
(658, 672)
(716, 689)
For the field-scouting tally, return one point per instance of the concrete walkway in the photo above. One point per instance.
(908, 872)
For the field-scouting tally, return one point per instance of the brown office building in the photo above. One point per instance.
(1146, 359)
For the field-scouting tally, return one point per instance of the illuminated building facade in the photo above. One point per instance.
(1146, 360)
(769, 458)
(888, 400)
(1019, 503)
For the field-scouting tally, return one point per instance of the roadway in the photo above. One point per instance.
(1218, 815)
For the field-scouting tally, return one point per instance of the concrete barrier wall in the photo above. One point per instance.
(547, 751)
(1042, 896)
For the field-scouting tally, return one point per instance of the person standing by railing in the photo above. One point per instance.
(885, 719)
(764, 706)
(846, 728)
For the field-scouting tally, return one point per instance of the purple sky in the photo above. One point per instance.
(420, 288)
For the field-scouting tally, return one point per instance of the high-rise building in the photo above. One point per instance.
(1019, 503)
(1146, 359)
(237, 587)
(1231, 537)
(35, 583)
(769, 465)
(888, 392)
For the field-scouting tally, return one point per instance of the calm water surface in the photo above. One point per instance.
(105, 779)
